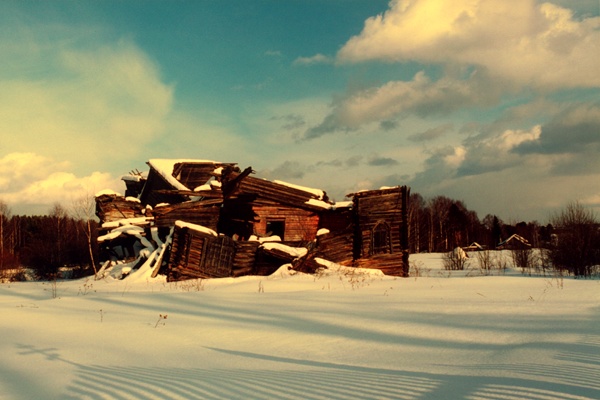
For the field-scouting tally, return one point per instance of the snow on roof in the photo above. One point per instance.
(316, 192)
(274, 238)
(132, 230)
(166, 166)
(475, 245)
(127, 221)
(194, 227)
(134, 177)
(322, 231)
(109, 236)
(382, 188)
(343, 204)
(292, 251)
(129, 229)
(208, 186)
(108, 192)
(516, 237)
(203, 188)
(319, 203)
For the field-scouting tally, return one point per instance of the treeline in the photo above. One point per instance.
(570, 243)
(441, 224)
(47, 244)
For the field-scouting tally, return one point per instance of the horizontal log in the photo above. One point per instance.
(215, 196)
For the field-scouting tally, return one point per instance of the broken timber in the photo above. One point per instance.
(218, 214)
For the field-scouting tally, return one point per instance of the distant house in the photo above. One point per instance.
(474, 247)
(211, 219)
(514, 242)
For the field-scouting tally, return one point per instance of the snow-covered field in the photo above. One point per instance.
(339, 335)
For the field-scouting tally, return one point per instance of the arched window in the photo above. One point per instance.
(381, 241)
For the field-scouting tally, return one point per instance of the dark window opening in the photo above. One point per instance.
(276, 228)
(381, 240)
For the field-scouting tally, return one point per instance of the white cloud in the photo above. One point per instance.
(497, 63)
(520, 41)
(420, 96)
(18, 169)
(86, 106)
(488, 52)
(31, 179)
(512, 138)
(494, 152)
(456, 157)
(316, 59)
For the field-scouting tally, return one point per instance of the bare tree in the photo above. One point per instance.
(485, 261)
(524, 258)
(577, 249)
(455, 260)
(439, 208)
(416, 221)
(4, 216)
(84, 208)
(58, 217)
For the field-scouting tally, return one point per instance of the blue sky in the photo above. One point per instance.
(495, 103)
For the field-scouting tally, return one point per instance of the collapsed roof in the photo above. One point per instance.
(176, 195)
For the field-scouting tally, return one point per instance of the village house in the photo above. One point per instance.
(514, 242)
(206, 219)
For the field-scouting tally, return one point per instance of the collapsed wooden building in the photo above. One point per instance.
(206, 219)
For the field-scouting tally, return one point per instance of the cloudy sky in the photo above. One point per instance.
(493, 102)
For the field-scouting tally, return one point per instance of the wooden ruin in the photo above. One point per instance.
(381, 229)
(200, 253)
(212, 220)
(113, 207)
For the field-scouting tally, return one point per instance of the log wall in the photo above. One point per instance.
(193, 212)
(382, 211)
(336, 246)
(199, 255)
(235, 184)
(300, 225)
(113, 208)
(395, 264)
(245, 258)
